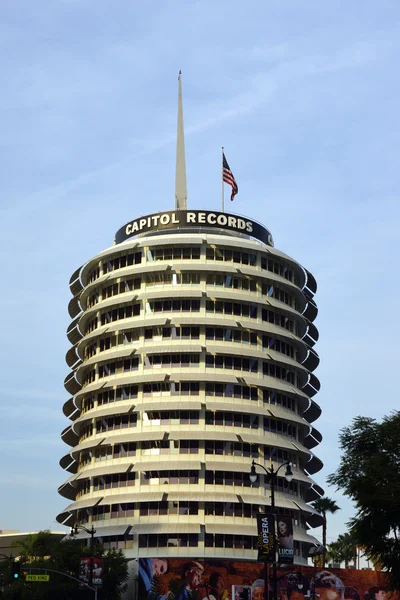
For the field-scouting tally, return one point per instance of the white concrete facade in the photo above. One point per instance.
(191, 355)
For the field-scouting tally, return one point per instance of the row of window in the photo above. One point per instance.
(192, 417)
(238, 309)
(227, 255)
(122, 261)
(173, 253)
(171, 417)
(184, 417)
(117, 394)
(184, 540)
(189, 388)
(116, 480)
(186, 278)
(176, 305)
(188, 360)
(228, 390)
(230, 281)
(268, 264)
(181, 507)
(239, 542)
(177, 332)
(171, 447)
(226, 362)
(249, 450)
(272, 370)
(117, 542)
(121, 287)
(173, 388)
(181, 540)
(153, 279)
(128, 479)
(193, 253)
(114, 423)
(278, 345)
(229, 419)
(176, 360)
(191, 278)
(180, 477)
(106, 370)
(94, 274)
(228, 478)
(174, 417)
(124, 312)
(106, 482)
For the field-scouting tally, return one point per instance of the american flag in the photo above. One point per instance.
(228, 177)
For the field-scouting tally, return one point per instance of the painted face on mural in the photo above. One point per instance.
(220, 585)
(329, 594)
(194, 577)
(160, 566)
(258, 593)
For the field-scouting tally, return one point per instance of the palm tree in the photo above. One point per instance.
(348, 547)
(344, 549)
(334, 552)
(323, 506)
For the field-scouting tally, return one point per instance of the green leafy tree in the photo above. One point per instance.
(36, 545)
(348, 546)
(65, 557)
(344, 549)
(115, 574)
(325, 505)
(334, 552)
(369, 474)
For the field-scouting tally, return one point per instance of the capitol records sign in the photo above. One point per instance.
(192, 219)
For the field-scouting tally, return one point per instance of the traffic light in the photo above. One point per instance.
(16, 570)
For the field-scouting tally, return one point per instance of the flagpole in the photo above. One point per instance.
(222, 176)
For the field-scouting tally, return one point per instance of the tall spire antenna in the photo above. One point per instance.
(180, 174)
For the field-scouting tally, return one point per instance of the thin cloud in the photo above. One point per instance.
(261, 88)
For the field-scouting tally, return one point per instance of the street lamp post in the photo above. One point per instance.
(272, 479)
(91, 532)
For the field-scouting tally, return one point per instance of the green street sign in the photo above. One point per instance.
(37, 578)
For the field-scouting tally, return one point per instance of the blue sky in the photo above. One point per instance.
(304, 97)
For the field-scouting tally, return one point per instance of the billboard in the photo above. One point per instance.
(266, 534)
(84, 571)
(193, 579)
(284, 529)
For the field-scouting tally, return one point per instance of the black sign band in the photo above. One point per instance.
(184, 219)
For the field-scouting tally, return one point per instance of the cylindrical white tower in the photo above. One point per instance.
(192, 354)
